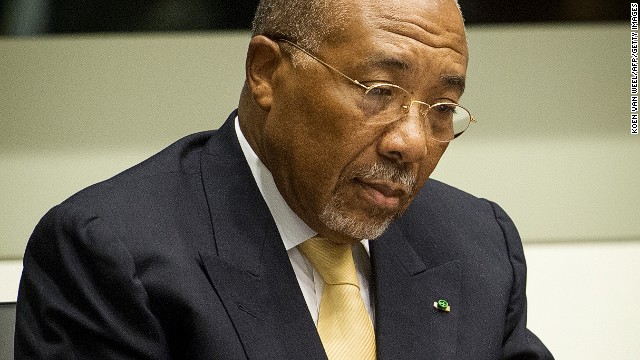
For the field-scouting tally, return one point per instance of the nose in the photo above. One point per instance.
(405, 140)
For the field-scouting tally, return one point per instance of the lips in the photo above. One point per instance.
(383, 194)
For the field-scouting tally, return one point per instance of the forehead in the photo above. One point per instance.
(411, 36)
(434, 23)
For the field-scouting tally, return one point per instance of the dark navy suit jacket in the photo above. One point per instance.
(179, 258)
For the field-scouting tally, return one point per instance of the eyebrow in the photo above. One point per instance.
(448, 80)
(455, 81)
(386, 61)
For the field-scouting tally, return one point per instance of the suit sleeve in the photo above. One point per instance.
(80, 296)
(519, 343)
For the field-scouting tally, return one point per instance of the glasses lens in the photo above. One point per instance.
(384, 102)
(448, 120)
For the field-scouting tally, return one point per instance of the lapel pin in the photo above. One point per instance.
(442, 305)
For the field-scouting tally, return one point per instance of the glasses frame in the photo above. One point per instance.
(367, 89)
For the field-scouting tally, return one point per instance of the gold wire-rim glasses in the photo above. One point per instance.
(463, 125)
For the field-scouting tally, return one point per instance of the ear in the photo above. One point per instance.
(263, 59)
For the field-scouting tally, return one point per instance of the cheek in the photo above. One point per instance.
(305, 159)
(326, 140)
(434, 154)
(314, 135)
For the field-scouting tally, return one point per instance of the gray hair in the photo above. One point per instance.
(305, 22)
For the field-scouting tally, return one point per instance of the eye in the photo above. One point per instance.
(381, 90)
(445, 108)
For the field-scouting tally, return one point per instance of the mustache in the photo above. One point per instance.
(388, 172)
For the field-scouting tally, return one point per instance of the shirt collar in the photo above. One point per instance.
(293, 230)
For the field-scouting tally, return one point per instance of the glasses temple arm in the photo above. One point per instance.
(354, 81)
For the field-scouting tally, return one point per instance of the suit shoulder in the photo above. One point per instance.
(180, 159)
(442, 212)
(437, 193)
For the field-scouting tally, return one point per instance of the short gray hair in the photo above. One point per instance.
(305, 22)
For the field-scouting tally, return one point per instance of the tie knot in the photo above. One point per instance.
(333, 261)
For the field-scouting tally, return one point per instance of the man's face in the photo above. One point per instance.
(346, 177)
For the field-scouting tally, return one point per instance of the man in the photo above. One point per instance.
(228, 244)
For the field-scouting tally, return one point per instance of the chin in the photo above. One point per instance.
(337, 216)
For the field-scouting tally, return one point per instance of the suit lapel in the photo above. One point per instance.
(405, 289)
(250, 269)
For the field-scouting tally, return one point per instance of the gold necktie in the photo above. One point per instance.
(344, 325)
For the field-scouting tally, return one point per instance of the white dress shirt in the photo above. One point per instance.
(294, 231)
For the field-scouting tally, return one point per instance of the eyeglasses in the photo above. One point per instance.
(387, 103)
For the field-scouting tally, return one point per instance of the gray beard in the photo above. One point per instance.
(336, 215)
